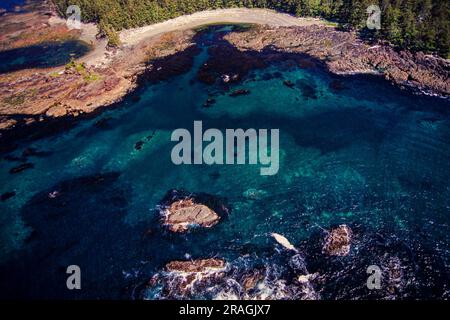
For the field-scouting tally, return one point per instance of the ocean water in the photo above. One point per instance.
(43, 55)
(370, 155)
(9, 5)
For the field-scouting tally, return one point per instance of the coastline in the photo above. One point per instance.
(363, 180)
(345, 54)
(117, 69)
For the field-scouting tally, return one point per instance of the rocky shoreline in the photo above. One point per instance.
(39, 95)
(36, 96)
(345, 54)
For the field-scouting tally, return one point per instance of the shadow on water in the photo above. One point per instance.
(10, 5)
(78, 221)
(43, 55)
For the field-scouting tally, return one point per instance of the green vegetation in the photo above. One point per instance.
(109, 31)
(91, 77)
(15, 100)
(19, 98)
(80, 68)
(54, 74)
(414, 24)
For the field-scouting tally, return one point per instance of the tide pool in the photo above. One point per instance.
(43, 55)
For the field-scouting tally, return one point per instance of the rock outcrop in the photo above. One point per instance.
(34, 95)
(196, 266)
(181, 211)
(344, 53)
(185, 279)
(338, 241)
(216, 279)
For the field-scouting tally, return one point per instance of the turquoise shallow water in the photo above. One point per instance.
(370, 156)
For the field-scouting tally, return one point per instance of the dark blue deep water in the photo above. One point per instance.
(368, 155)
(9, 5)
(43, 55)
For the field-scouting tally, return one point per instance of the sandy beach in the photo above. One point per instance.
(238, 15)
(132, 37)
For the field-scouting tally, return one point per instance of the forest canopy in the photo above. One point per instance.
(413, 24)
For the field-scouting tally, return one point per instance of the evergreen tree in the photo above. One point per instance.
(413, 24)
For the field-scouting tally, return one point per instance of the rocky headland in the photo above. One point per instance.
(344, 53)
(35, 95)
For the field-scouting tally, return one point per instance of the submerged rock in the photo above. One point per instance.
(151, 136)
(138, 145)
(307, 88)
(227, 65)
(103, 123)
(136, 98)
(336, 85)
(289, 83)
(164, 68)
(12, 158)
(209, 102)
(29, 152)
(7, 195)
(337, 242)
(22, 167)
(239, 92)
